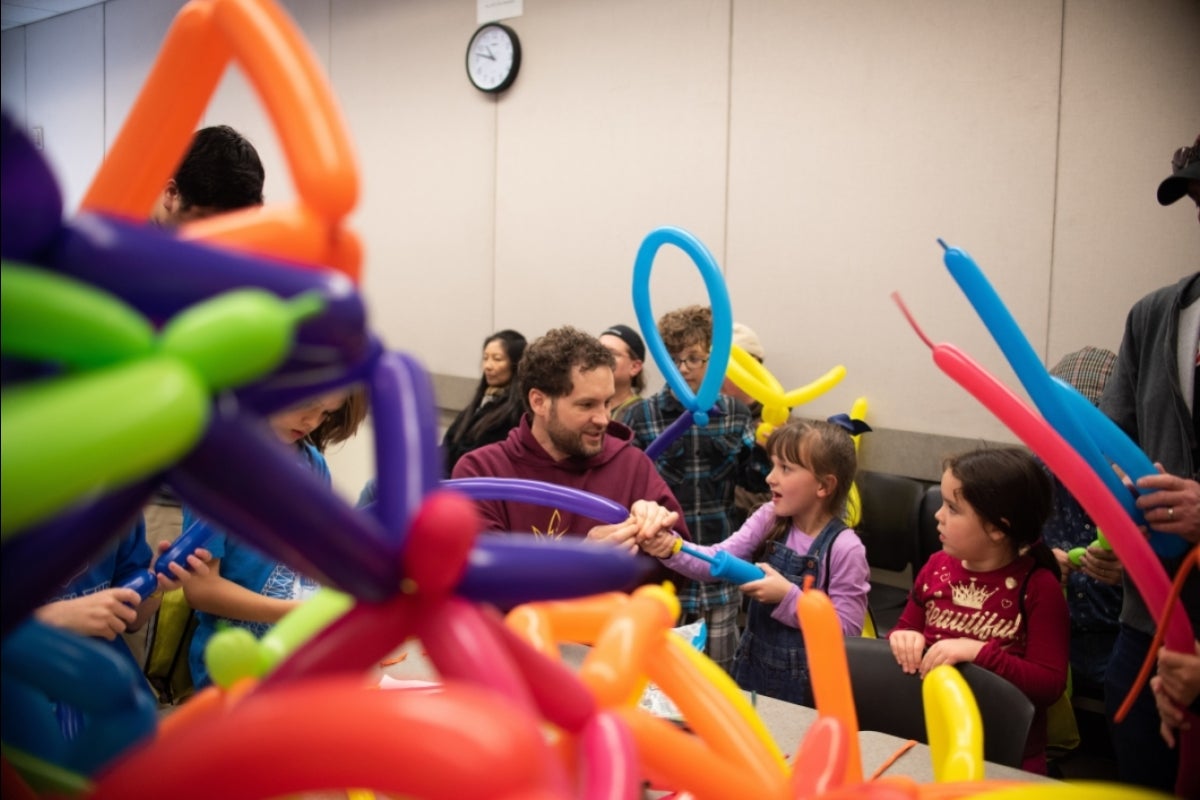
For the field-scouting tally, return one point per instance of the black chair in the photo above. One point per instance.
(888, 700)
(888, 530)
(928, 542)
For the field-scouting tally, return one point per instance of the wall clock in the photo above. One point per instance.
(493, 57)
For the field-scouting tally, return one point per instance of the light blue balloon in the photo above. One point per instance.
(1030, 370)
(1117, 445)
(699, 402)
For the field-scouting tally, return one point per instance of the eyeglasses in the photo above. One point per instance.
(1185, 156)
(691, 362)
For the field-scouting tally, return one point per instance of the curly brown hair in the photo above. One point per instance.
(343, 423)
(548, 362)
(684, 327)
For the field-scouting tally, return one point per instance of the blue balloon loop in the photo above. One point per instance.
(700, 401)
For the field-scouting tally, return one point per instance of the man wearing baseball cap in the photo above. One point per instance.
(1185, 177)
(1154, 396)
(629, 350)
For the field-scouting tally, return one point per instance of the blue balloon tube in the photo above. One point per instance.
(1030, 370)
(727, 566)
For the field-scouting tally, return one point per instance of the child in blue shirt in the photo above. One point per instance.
(242, 586)
(94, 603)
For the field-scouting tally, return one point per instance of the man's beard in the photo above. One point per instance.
(570, 442)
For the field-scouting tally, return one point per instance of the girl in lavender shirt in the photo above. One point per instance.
(801, 532)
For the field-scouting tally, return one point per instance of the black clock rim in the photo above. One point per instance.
(516, 65)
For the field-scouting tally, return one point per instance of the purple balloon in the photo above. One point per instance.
(539, 493)
(45, 556)
(30, 203)
(406, 448)
(508, 571)
(242, 479)
(160, 275)
(668, 437)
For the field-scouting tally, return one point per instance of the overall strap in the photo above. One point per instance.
(823, 546)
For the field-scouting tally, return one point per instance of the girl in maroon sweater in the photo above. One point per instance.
(993, 595)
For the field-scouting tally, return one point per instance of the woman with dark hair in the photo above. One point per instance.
(496, 407)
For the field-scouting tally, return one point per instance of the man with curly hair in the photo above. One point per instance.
(566, 437)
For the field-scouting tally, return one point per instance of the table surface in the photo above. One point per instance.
(787, 722)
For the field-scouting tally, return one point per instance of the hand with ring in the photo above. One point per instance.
(1171, 504)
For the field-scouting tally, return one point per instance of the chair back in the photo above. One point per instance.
(888, 700)
(889, 518)
(927, 532)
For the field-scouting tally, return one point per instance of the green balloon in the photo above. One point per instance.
(232, 654)
(236, 337)
(302, 624)
(93, 432)
(49, 317)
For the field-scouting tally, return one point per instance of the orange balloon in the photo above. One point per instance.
(279, 63)
(290, 233)
(717, 711)
(581, 620)
(820, 762)
(156, 133)
(677, 760)
(829, 670)
(614, 668)
(532, 623)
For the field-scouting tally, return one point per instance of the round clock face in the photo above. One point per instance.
(493, 57)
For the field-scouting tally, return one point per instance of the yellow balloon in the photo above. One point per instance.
(954, 726)
(854, 501)
(815, 389)
(753, 378)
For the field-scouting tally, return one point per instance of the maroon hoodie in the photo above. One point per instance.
(619, 472)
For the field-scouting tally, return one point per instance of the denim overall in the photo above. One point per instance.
(770, 658)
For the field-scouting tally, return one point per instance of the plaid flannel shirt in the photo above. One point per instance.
(702, 467)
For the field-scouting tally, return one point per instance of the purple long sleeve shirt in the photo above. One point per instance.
(849, 573)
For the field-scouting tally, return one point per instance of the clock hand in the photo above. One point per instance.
(487, 55)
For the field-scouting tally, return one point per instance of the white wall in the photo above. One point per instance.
(817, 147)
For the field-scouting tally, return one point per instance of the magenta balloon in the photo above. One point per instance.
(1064, 461)
(43, 558)
(353, 643)
(608, 758)
(543, 494)
(406, 450)
(30, 202)
(561, 697)
(462, 646)
(240, 478)
(507, 571)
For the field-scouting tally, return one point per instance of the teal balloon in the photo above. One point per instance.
(94, 432)
(45, 316)
(235, 337)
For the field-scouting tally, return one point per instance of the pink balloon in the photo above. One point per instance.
(353, 643)
(1131, 547)
(462, 646)
(442, 534)
(609, 761)
(559, 694)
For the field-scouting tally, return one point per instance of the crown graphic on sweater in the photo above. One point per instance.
(970, 596)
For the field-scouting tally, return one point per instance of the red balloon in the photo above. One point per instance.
(331, 732)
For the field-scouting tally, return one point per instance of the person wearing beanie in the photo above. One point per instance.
(629, 350)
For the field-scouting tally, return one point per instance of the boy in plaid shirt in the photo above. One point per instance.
(702, 468)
